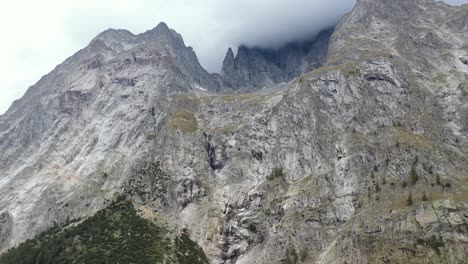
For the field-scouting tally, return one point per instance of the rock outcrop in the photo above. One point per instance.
(254, 68)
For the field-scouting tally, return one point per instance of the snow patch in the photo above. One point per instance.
(197, 86)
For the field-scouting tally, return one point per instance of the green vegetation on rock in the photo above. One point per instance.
(188, 252)
(424, 197)
(414, 177)
(432, 242)
(183, 120)
(348, 69)
(409, 200)
(113, 235)
(277, 173)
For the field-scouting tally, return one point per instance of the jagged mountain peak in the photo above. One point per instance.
(162, 26)
(252, 68)
(258, 67)
(162, 32)
(230, 53)
(115, 34)
(360, 161)
(229, 58)
(405, 29)
(122, 39)
(117, 39)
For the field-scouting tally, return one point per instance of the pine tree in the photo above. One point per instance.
(438, 180)
(377, 187)
(414, 177)
(404, 184)
(409, 200)
(424, 197)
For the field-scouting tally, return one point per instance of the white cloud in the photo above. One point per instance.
(455, 2)
(39, 34)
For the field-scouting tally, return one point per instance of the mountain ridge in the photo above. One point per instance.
(257, 67)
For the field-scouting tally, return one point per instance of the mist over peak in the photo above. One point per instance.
(210, 27)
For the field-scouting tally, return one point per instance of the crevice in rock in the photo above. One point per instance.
(464, 60)
(125, 81)
(258, 155)
(217, 160)
(379, 77)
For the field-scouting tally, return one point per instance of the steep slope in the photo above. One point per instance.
(360, 161)
(90, 116)
(114, 235)
(255, 67)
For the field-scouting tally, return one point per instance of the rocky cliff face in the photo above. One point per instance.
(256, 68)
(362, 160)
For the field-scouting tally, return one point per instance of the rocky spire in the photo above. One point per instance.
(161, 30)
(255, 68)
(229, 68)
(228, 63)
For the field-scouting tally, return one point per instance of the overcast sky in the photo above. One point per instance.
(39, 34)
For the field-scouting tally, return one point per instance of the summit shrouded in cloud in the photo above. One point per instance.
(320, 140)
(46, 32)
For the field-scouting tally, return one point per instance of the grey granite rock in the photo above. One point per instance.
(319, 170)
(254, 68)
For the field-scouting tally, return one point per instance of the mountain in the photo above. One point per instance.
(362, 160)
(256, 67)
